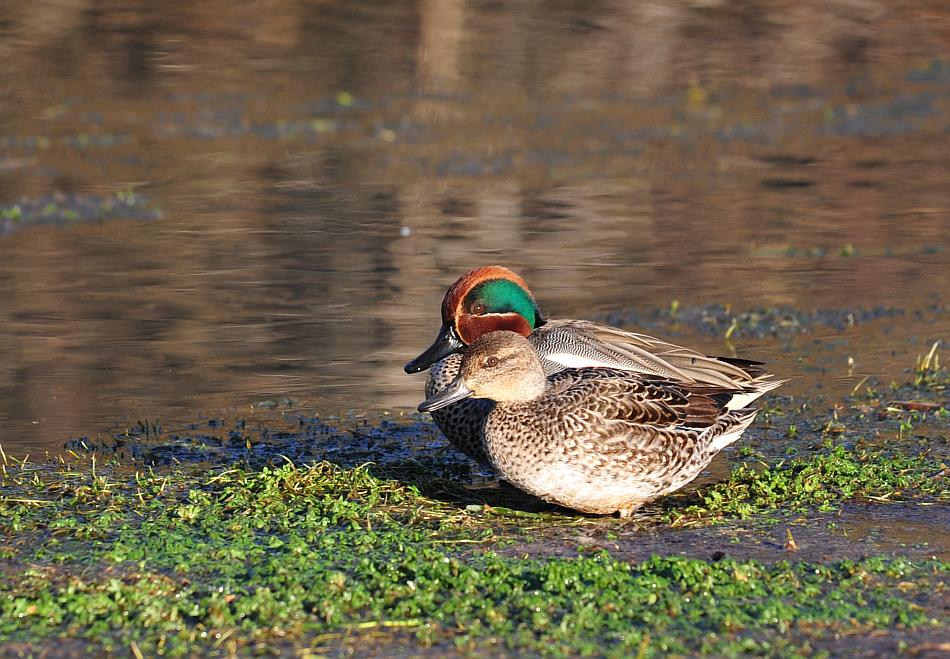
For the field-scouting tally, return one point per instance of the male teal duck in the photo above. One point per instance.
(492, 298)
(598, 440)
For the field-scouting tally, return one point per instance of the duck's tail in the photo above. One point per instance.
(751, 392)
(735, 424)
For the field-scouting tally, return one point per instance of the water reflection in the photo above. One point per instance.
(325, 169)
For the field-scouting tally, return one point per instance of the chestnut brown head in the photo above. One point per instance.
(487, 299)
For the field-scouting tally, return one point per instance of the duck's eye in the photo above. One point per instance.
(478, 309)
(491, 362)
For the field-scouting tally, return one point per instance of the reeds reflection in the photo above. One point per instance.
(324, 169)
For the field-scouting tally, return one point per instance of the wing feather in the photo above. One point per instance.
(613, 347)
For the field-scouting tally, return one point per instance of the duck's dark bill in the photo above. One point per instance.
(445, 344)
(454, 392)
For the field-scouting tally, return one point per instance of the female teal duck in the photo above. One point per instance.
(494, 298)
(598, 440)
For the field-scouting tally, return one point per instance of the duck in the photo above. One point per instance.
(597, 440)
(493, 298)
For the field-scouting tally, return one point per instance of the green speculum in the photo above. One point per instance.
(503, 296)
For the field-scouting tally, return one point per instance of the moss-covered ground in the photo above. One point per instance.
(244, 543)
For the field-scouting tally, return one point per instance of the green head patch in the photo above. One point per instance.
(498, 296)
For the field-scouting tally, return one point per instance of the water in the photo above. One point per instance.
(207, 207)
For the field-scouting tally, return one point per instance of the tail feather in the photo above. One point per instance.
(747, 395)
(754, 368)
(738, 421)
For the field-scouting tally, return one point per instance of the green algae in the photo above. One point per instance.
(67, 208)
(216, 561)
(821, 482)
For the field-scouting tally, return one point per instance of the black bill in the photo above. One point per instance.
(445, 344)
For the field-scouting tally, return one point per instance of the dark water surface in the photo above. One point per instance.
(205, 206)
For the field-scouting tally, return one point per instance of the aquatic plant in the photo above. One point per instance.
(819, 481)
(189, 560)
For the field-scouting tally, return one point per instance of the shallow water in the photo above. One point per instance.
(201, 210)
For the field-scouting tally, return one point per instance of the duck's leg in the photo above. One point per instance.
(631, 507)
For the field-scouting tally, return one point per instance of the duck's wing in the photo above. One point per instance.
(606, 395)
(581, 343)
(646, 423)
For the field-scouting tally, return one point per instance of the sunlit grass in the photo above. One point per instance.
(228, 558)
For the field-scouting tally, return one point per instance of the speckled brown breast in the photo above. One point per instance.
(462, 423)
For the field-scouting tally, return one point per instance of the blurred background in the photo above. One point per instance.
(206, 205)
